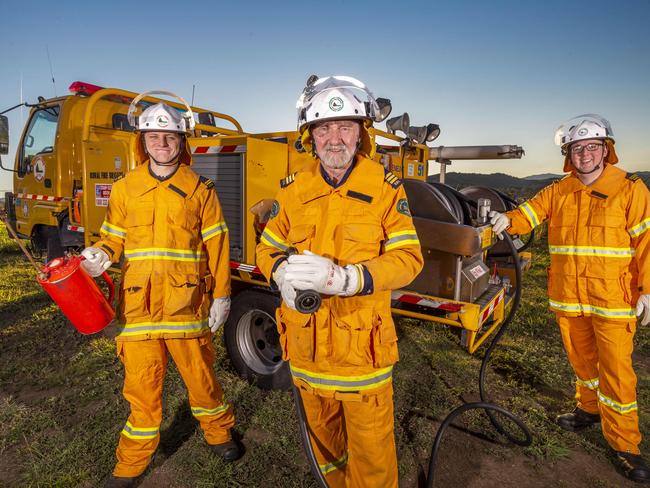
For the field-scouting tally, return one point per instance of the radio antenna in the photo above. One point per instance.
(21, 98)
(192, 103)
(47, 49)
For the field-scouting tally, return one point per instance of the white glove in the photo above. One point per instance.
(287, 291)
(96, 261)
(310, 271)
(643, 304)
(500, 222)
(219, 311)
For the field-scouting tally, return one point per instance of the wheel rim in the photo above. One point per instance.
(258, 342)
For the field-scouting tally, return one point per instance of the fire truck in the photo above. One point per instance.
(73, 148)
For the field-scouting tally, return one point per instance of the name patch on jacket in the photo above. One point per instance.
(359, 196)
(598, 194)
(178, 190)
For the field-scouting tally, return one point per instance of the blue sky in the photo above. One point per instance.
(499, 72)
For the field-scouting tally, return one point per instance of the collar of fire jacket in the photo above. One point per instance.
(183, 182)
(608, 183)
(366, 178)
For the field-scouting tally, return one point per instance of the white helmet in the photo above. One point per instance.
(336, 98)
(161, 117)
(582, 127)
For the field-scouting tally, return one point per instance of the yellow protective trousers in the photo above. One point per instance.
(600, 352)
(352, 436)
(145, 363)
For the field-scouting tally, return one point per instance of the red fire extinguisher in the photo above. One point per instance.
(77, 294)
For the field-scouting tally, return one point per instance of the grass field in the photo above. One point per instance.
(61, 408)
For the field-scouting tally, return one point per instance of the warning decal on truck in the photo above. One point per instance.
(102, 192)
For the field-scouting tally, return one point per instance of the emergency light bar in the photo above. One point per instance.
(82, 88)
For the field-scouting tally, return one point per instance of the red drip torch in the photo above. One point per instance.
(74, 291)
(77, 294)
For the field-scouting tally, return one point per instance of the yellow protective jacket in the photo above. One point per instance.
(173, 237)
(350, 343)
(598, 242)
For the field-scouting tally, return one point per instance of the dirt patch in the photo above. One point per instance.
(9, 473)
(31, 395)
(257, 437)
(473, 463)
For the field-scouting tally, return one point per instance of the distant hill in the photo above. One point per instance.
(543, 176)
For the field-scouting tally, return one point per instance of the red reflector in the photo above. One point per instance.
(450, 307)
(409, 299)
(82, 88)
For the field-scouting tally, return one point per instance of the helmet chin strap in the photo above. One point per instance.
(173, 162)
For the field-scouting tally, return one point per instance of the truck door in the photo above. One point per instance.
(36, 164)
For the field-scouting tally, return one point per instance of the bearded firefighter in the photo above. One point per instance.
(599, 279)
(341, 227)
(167, 224)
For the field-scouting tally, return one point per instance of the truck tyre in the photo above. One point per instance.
(252, 340)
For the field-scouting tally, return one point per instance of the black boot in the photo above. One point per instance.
(121, 482)
(634, 466)
(228, 451)
(577, 420)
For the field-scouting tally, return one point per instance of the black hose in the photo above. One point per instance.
(489, 408)
(304, 434)
(527, 244)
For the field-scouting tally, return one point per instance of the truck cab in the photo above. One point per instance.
(54, 164)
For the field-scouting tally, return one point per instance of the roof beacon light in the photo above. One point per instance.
(82, 88)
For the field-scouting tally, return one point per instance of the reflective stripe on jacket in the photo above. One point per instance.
(173, 238)
(599, 242)
(350, 343)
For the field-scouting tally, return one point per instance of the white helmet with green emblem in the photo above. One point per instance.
(339, 98)
(161, 117)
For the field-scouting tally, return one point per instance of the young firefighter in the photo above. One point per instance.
(350, 222)
(599, 242)
(167, 223)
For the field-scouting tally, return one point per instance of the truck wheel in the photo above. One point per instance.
(252, 340)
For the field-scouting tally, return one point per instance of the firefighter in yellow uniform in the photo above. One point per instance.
(342, 227)
(599, 279)
(167, 224)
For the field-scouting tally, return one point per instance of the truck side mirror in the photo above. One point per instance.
(4, 134)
